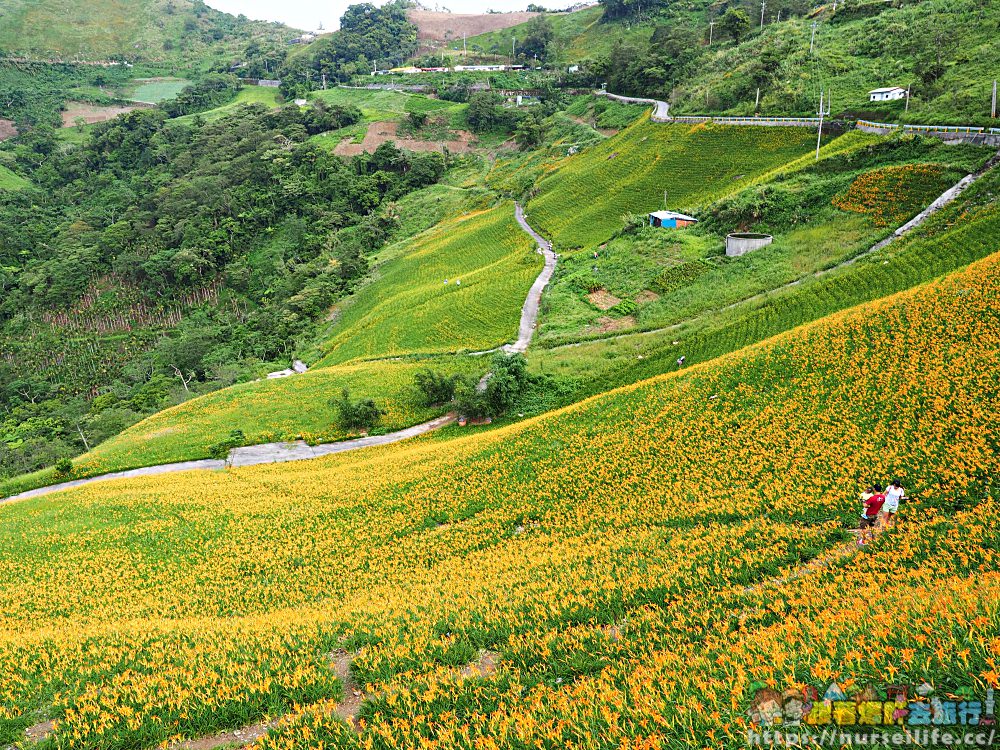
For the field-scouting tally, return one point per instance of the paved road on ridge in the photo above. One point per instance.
(269, 453)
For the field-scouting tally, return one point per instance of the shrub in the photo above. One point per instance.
(64, 467)
(221, 449)
(506, 384)
(360, 414)
(435, 388)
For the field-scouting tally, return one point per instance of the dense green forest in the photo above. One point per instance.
(368, 36)
(157, 259)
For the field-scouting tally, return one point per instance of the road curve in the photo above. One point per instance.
(269, 453)
(661, 110)
(529, 312)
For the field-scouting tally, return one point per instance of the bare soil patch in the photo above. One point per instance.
(7, 129)
(607, 324)
(646, 295)
(381, 132)
(348, 708)
(40, 731)
(484, 666)
(243, 736)
(602, 299)
(435, 26)
(91, 113)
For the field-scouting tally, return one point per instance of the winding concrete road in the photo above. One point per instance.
(529, 313)
(270, 453)
(661, 110)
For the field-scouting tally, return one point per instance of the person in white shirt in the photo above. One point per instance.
(892, 497)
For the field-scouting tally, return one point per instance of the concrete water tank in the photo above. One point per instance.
(741, 244)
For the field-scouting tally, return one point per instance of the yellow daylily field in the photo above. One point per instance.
(635, 566)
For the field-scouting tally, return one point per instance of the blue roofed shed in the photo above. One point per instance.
(671, 220)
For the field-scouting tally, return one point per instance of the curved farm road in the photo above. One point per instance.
(661, 110)
(270, 453)
(529, 313)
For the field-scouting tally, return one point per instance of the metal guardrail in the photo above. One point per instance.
(995, 131)
(924, 128)
(749, 120)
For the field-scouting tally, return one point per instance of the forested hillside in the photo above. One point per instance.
(712, 57)
(234, 235)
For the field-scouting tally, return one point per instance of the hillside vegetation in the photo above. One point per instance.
(135, 30)
(488, 263)
(820, 213)
(582, 202)
(620, 559)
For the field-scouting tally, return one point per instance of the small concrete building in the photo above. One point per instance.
(887, 95)
(671, 220)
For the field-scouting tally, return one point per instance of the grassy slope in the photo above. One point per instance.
(581, 203)
(11, 181)
(675, 276)
(578, 36)
(149, 30)
(603, 551)
(265, 95)
(408, 308)
(964, 232)
(286, 409)
(378, 106)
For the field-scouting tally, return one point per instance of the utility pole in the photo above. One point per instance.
(664, 200)
(907, 108)
(763, 4)
(822, 113)
(513, 41)
(756, 104)
(465, 50)
(324, 81)
(812, 39)
(994, 110)
(711, 32)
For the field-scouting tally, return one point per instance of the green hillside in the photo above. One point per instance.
(820, 215)
(578, 36)
(945, 50)
(11, 181)
(582, 202)
(489, 265)
(143, 30)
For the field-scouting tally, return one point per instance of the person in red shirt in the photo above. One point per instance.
(869, 516)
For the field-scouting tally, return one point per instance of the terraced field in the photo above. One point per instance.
(632, 565)
(489, 264)
(581, 203)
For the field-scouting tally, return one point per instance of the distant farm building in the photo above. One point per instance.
(671, 220)
(887, 95)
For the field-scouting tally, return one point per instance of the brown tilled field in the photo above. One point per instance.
(380, 132)
(91, 113)
(440, 27)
